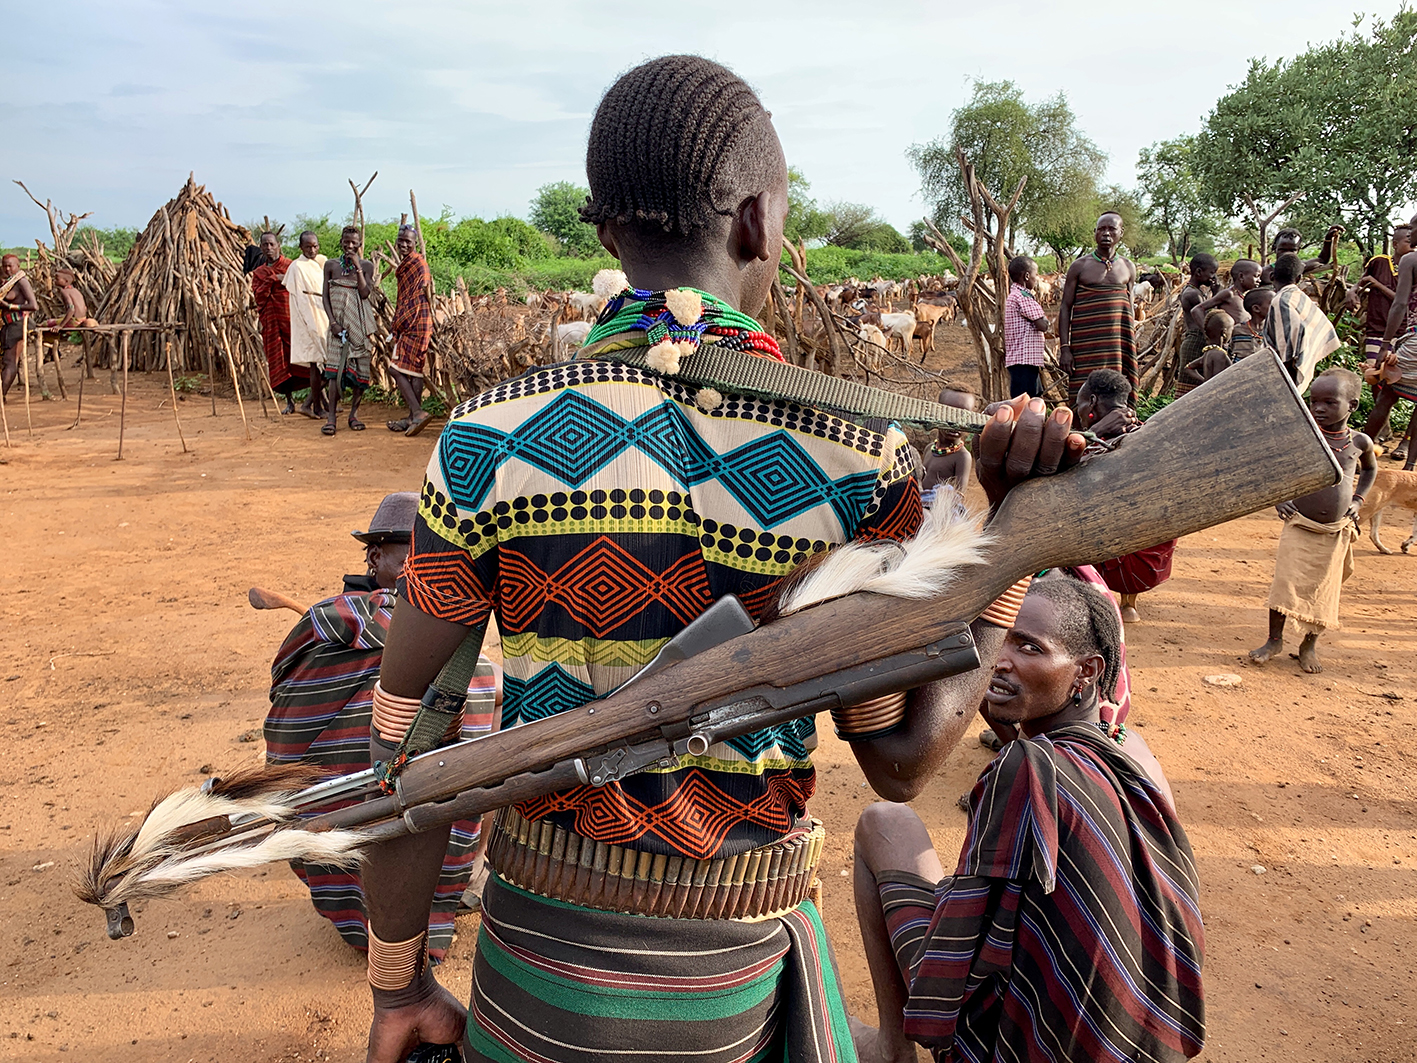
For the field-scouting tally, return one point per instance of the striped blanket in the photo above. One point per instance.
(1020, 955)
(322, 703)
(1101, 334)
(1301, 333)
(555, 983)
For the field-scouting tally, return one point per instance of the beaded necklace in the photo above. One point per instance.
(646, 311)
(1107, 264)
(1115, 731)
(953, 448)
(1330, 437)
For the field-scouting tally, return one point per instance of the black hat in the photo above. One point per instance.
(393, 520)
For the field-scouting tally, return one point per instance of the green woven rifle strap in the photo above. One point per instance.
(744, 373)
(442, 704)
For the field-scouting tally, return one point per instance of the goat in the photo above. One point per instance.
(899, 327)
(874, 341)
(573, 333)
(925, 333)
(587, 304)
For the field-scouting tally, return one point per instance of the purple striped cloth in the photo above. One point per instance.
(1071, 929)
(322, 703)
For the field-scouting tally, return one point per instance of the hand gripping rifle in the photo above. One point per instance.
(1236, 444)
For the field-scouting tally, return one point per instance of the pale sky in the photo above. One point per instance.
(475, 105)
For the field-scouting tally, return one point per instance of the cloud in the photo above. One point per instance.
(128, 88)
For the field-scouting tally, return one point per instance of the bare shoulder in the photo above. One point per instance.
(1362, 443)
(1131, 271)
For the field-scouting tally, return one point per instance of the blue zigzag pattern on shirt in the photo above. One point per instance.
(574, 437)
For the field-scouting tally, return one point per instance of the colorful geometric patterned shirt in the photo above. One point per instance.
(597, 510)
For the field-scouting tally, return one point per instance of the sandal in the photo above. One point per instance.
(356, 426)
(418, 424)
(401, 425)
(327, 429)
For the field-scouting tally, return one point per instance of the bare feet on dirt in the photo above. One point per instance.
(1308, 657)
(1265, 652)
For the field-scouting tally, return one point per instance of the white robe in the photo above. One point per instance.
(309, 326)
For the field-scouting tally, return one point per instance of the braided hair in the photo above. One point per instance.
(675, 146)
(1087, 624)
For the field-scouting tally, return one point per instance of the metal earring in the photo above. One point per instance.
(1077, 696)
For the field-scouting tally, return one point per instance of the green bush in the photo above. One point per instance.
(832, 265)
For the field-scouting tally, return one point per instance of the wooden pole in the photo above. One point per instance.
(58, 369)
(25, 366)
(236, 386)
(123, 404)
(80, 411)
(171, 388)
(211, 376)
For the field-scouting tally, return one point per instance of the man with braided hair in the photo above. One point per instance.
(1070, 929)
(597, 508)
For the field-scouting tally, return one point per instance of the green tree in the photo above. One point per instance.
(1336, 123)
(857, 227)
(555, 210)
(1007, 139)
(1174, 199)
(804, 221)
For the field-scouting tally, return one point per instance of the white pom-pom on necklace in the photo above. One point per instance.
(663, 357)
(708, 399)
(609, 283)
(686, 305)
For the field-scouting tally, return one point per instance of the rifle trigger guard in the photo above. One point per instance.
(615, 764)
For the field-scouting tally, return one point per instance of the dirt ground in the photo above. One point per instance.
(132, 663)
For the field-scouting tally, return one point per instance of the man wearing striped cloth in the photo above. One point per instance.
(1095, 325)
(1071, 928)
(322, 684)
(1296, 327)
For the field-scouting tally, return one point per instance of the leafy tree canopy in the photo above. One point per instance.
(805, 221)
(1007, 139)
(1338, 122)
(859, 228)
(555, 211)
(1173, 199)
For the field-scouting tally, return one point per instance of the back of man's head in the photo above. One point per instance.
(1203, 261)
(1109, 387)
(676, 145)
(1255, 297)
(1287, 270)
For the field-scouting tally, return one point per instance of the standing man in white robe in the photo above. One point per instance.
(309, 324)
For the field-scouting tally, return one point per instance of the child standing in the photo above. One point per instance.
(1315, 553)
(948, 461)
(1024, 326)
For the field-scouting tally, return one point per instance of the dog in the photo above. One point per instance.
(1391, 488)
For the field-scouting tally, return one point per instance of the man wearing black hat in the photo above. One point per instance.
(322, 685)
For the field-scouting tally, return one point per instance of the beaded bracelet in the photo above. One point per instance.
(1003, 611)
(395, 964)
(870, 719)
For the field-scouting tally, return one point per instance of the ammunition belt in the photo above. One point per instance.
(554, 862)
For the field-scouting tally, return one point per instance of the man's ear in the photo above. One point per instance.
(754, 229)
(607, 240)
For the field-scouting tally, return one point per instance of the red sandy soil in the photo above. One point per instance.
(132, 663)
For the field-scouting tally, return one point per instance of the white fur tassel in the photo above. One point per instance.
(609, 283)
(663, 357)
(948, 540)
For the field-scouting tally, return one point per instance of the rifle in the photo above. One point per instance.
(1236, 444)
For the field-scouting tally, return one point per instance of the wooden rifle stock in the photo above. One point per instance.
(1238, 443)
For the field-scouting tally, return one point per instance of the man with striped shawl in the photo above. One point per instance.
(1296, 327)
(413, 329)
(322, 685)
(1070, 929)
(1095, 325)
(597, 509)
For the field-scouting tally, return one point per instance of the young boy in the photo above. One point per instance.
(1024, 326)
(1315, 553)
(948, 460)
(1215, 355)
(1249, 336)
(1195, 292)
(1244, 278)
